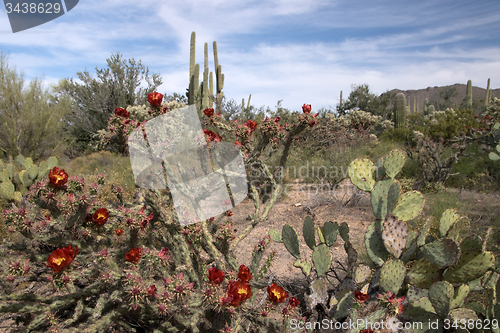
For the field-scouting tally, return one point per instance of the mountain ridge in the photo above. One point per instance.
(432, 93)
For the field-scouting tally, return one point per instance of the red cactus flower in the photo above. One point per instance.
(276, 293)
(360, 297)
(100, 216)
(237, 143)
(277, 119)
(238, 291)
(209, 112)
(252, 125)
(121, 112)
(293, 302)
(119, 231)
(134, 255)
(58, 177)
(211, 136)
(215, 276)
(366, 330)
(61, 258)
(151, 290)
(306, 108)
(244, 274)
(155, 99)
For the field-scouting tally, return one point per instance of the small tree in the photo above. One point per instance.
(30, 115)
(95, 100)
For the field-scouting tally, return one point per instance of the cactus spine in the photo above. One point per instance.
(468, 97)
(400, 111)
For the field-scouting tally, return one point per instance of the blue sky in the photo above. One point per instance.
(296, 51)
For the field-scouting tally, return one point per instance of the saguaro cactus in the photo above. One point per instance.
(487, 98)
(468, 97)
(203, 92)
(400, 111)
(340, 105)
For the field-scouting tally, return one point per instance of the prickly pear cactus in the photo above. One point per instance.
(441, 295)
(384, 197)
(291, 240)
(322, 259)
(374, 243)
(394, 162)
(423, 274)
(409, 206)
(361, 174)
(470, 266)
(394, 233)
(449, 217)
(392, 275)
(442, 252)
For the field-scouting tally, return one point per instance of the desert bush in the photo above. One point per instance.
(450, 123)
(30, 116)
(95, 100)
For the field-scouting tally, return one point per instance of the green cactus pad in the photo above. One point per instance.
(449, 217)
(459, 296)
(392, 276)
(25, 178)
(442, 252)
(374, 244)
(394, 162)
(344, 307)
(379, 171)
(394, 233)
(462, 314)
(424, 232)
(1, 165)
(308, 232)
(320, 236)
(305, 266)
(4, 176)
(344, 231)
(411, 239)
(330, 231)
(423, 274)
(33, 172)
(10, 170)
(27, 163)
(361, 174)
(291, 240)
(440, 295)
(44, 169)
(471, 243)
(318, 294)
(20, 159)
(7, 190)
(489, 280)
(420, 306)
(322, 259)
(470, 266)
(384, 197)
(409, 206)
(52, 162)
(275, 235)
(18, 196)
(408, 254)
(362, 274)
(476, 307)
(414, 294)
